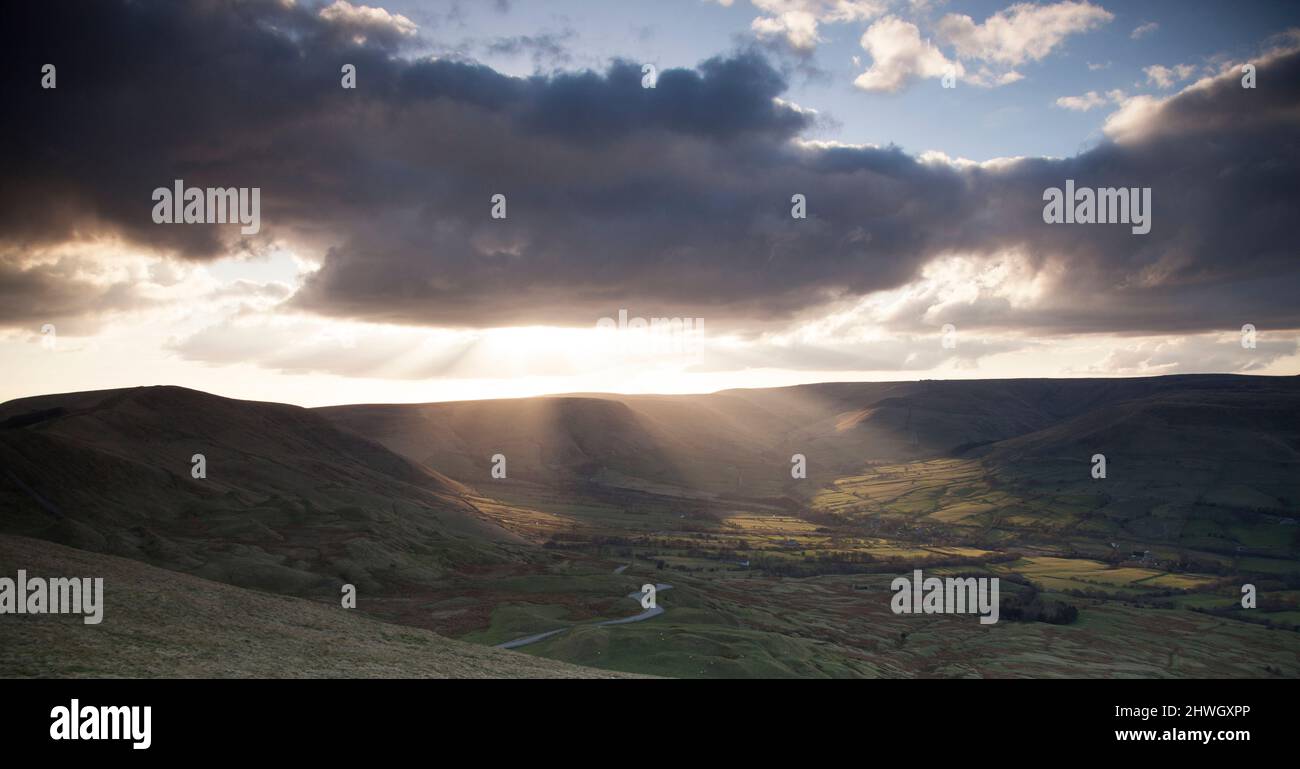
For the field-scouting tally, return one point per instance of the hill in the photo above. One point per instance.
(771, 575)
(739, 443)
(159, 624)
(290, 503)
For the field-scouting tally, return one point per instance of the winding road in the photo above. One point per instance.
(636, 596)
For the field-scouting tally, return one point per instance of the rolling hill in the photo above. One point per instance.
(159, 624)
(739, 443)
(290, 503)
(772, 575)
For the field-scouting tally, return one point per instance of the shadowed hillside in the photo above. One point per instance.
(290, 503)
(1213, 465)
(739, 442)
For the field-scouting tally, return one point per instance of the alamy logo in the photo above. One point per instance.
(56, 595)
(1104, 205)
(87, 722)
(210, 205)
(657, 335)
(954, 595)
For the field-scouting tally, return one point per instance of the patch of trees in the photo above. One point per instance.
(1030, 606)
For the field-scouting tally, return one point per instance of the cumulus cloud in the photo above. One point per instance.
(1022, 32)
(796, 23)
(1166, 77)
(898, 55)
(364, 23)
(984, 54)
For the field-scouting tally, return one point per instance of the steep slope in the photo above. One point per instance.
(1254, 422)
(290, 503)
(1214, 465)
(162, 624)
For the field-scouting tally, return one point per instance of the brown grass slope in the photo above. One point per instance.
(166, 625)
(290, 504)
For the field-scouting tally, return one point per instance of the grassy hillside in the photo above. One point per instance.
(736, 446)
(159, 624)
(1137, 574)
(290, 503)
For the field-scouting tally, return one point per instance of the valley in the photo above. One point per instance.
(1138, 574)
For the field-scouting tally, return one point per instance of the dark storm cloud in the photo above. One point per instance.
(673, 200)
(1223, 163)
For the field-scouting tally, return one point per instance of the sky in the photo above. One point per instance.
(813, 190)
